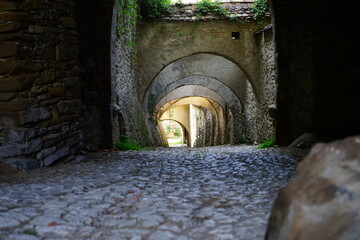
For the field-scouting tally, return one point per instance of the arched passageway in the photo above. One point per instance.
(203, 119)
(68, 83)
(213, 77)
(174, 133)
(73, 65)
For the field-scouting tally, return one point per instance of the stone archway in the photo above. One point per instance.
(222, 80)
(215, 116)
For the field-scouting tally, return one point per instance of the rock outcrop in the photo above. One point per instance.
(323, 201)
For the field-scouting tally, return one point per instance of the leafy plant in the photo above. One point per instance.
(127, 18)
(260, 8)
(130, 12)
(154, 9)
(167, 129)
(181, 34)
(206, 7)
(177, 132)
(266, 144)
(180, 4)
(124, 143)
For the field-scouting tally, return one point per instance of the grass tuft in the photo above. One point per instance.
(124, 143)
(266, 144)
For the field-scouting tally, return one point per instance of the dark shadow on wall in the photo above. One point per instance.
(318, 69)
(94, 20)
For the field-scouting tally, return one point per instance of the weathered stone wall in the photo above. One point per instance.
(124, 103)
(197, 126)
(203, 53)
(180, 114)
(265, 121)
(40, 95)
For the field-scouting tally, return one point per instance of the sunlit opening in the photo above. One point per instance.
(173, 133)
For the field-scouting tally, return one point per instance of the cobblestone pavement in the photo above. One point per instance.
(178, 193)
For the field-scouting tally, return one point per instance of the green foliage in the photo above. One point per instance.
(180, 4)
(177, 132)
(155, 9)
(167, 129)
(260, 7)
(130, 12)
(206, 7)
(181, 34)
(127, 18)
(124, 143)
(266, 144)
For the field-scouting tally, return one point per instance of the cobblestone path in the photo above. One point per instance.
(178, 193)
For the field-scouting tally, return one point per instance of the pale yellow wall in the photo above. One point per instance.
(180, 114)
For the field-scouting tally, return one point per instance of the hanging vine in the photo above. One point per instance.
(129, 14)
(260, 8)
(127, 18)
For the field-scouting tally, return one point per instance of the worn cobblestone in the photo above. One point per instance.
(223, 192)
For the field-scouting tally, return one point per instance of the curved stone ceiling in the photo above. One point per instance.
(191, 91)
(224, 91)
(203, 64)
(212, 106)
(201, 101)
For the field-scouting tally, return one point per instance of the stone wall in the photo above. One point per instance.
(40, 95)
(124, 103)
(197, 126)
(265, 120)
(177, 53)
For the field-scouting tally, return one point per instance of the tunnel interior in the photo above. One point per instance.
(75, 85)
(71, 85)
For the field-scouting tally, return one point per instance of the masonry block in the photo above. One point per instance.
(15, 16)
(8, 49)
(15, 105)
(16, 83)
(9, 6)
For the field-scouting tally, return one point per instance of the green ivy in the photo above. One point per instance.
(127, 18)
(267, 144)
(130, 12)
(206, 7)
(180, 4)
(260, 8)
(155, 9)
(124, 143)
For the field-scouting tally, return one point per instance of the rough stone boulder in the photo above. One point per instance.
(323, 200)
